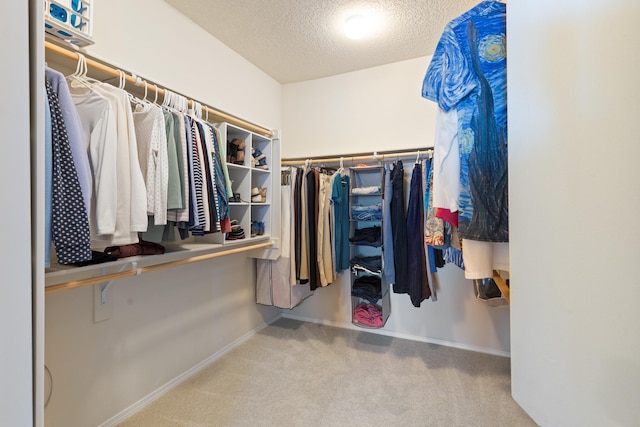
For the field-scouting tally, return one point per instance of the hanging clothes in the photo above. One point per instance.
(468, 73)
(70, 222)
(120, 200)
(325, 257)
(389, 270)
(48, 184)
(311, 196)
(429, 255)
(399, 230)
(274, 285)
(418, 285)
(340, 200)
(152, 154)
(132, 194)
(73, 126)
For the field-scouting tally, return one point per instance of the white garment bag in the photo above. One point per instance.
(274, 284)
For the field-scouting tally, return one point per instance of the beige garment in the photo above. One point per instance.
(481, 258)
(325, 259)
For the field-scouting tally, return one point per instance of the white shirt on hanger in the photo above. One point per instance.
(446, 161)
(131, 211)
(154, 163)
(97, 118)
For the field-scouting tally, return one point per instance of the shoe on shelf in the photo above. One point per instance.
(232, 152)
(238, 145)
(261, 196)
(235, 234)
(262, 164)
(255, 191)
(258, 155)
(257, 228)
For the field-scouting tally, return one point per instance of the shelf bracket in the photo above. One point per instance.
(104, 286)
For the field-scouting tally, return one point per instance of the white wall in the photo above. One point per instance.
(574, 146)
(154, 40)
(15, 289)
(374, 110)
(163, 323)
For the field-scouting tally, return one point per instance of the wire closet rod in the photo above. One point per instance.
(376, 156)
(137, 271)
(107, 69)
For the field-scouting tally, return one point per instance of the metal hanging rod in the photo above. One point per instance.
(115, 72)
(376, 156)
(139, 270)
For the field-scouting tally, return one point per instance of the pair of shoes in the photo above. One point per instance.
(236, 232)
(235, 235)
(235, 198)
(257, 228)
(259, 159)
(259, 195)
(236, 146)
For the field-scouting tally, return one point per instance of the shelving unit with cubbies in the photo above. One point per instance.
(245, 177)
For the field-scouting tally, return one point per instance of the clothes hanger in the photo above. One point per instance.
(341, 168)
(418, 157)
(155, 99)
(78, 78)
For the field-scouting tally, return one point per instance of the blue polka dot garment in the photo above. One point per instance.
(70, 223)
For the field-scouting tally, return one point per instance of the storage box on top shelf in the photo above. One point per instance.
(70, 20)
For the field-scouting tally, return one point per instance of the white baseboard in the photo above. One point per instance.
(400, 335)
(121, 416)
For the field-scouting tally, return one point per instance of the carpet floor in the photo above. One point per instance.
(295, 373)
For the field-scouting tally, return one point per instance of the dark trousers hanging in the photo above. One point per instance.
(399, 230)
(312, 223)
(417, 267)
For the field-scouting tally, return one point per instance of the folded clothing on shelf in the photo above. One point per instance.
(371, 263)
(140, 248)
(96, 258)
(367, 212)
(368, 315)
(369, 236)
(367, 287)
(366, 190)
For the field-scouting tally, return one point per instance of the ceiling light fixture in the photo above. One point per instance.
(357, 26)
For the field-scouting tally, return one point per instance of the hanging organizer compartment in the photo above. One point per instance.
(370, 296)
(70, 20)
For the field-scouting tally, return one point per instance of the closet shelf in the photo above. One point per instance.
(63, 278)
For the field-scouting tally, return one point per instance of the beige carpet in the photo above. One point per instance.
(302, 374)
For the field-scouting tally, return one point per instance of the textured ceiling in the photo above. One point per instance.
(298, 40)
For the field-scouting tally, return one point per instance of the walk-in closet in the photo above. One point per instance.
(227, 213)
